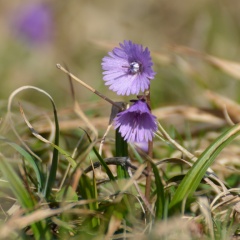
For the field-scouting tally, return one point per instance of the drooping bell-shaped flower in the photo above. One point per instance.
(136, 124)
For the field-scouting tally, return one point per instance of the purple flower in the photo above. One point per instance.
(128, 69)
(34, 23)
(142, 145)
(136, 124)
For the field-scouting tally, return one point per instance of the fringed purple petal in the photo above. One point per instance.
(119, 74)
(136, 124)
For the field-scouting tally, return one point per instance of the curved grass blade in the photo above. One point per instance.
(38, 136)
(192, 179)
(29, 159)
(53, 169)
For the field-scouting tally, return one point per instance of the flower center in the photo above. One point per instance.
(134, 68)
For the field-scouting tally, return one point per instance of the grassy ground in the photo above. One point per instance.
(50, 136)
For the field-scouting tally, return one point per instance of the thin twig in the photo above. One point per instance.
(78, 110)
(87, 86)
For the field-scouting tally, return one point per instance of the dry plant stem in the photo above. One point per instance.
(87, 86)
(165, 135)
(69, 165)
(149, 171)
(19, 222)
(76, 178)
(227, 117)
(79, 112)
(103, 139)
(192, 157)
(140, 193)
(178, 146)
(150, 154)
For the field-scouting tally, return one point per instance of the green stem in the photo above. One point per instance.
(150, 154)
(121, 151)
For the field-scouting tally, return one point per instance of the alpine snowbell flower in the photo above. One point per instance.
(128, 69)
(136, 124)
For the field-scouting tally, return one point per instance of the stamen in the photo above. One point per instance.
(134, 67)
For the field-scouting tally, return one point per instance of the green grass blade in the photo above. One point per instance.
(160, 202)
(38, 136)
(105, 166)
(121, 145)
(53, 170)
(121, 151)
(194, 176)
(27, 202)
(16, 185)
(28, 158)
(87, 189)
(95, 221)
(136, 154)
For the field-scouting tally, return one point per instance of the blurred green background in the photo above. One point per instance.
(81, 30)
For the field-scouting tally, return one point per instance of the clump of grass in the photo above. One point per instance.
(55, 184)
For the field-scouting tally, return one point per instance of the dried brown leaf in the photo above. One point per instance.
(232, 108)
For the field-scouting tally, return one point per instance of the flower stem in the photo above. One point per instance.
(150, 154)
